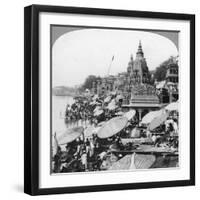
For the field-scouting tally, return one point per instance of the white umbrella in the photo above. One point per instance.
(160, 85)
(122, 164)
(150, 116)
(96, 129)
(95, 97)
(113, 93)
(97, 108)
(98, 112)
(112, 105)
(134, 161)
(130, 114)
(112, 127)
(89, 131)
(107, 99)
(119, 113)
(69, 135)
(172, 106)
(142, 161)
(156, 122)
(119, 97)
(101, 123)
(170, 83)
(93, 103)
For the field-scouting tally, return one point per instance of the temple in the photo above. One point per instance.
(137, 73)
(137, 69)
(135, 85)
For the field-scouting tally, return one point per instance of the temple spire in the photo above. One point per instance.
(131, 57)
(140, 45)
(139, 51)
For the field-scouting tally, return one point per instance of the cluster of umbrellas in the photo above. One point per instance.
(103, 130)
(134, 161)
(113, 126)
(69, 135)
(109, 100)
(116, 124)
(162, 84)
(155, 118)
(174, 106)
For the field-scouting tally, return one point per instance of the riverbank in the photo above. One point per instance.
(105, 128)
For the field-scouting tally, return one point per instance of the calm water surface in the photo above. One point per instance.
(58, 112)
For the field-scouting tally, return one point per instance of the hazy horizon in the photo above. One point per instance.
(78, 54)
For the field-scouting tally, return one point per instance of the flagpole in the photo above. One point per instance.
(110, 65)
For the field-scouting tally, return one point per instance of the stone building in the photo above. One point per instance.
(168, 90)
(137, 73)
(134, 85)
(172, 72)
(137, 69)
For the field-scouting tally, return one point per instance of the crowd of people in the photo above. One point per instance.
(77, 155)
(82, 110)
(166, 135)
(89, 153)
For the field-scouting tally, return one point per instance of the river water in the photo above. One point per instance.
(58, 112)
(59, 104)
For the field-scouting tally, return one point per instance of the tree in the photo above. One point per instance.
(89, 81)
(160, 72)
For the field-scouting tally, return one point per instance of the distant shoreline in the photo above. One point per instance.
(64, 91)
(64, 95)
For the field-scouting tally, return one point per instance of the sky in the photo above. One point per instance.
(80, 53)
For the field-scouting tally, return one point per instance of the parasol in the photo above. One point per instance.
(98, 112)
(112, 105)
(130, 114)
(93, 103)
(170, 83)
(119, 113)
(96, 129)
(172, 106)
(89, 131)
(98, 103)
(156, 122)
(142, 161)
(134, 161)
(70, 134)
(97, 108)
(113, 93)
(161, 85)
(122, 164)
(150, 116)
(107, 99)
(95, 97)
(112, 127)
(101, 123)
(119, 97)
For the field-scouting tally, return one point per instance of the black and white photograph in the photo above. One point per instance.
(114, 99)
(109, 100)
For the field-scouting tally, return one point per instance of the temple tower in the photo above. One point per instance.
(138, 69)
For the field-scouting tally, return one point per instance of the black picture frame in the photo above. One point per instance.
(31, 98)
